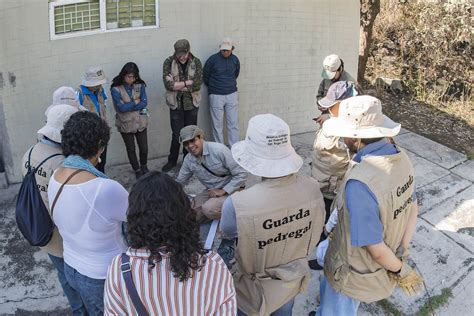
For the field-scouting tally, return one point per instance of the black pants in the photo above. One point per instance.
(103, 159)
(142, 141)
(327, 206)
(178, 120)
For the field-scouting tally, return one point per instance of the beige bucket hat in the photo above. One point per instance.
(361, 117)
(56, 117)
(266, 150)
(94, 76)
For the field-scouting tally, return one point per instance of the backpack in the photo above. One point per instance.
(32, 216)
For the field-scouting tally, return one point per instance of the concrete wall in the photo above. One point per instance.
(281, 45)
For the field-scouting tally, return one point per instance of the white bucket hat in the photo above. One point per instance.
(330, 66)
(56, 117)
(64, 95)
(226, 44)
(266, 150)
(94, 76)
(361, 117)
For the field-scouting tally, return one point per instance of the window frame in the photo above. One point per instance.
(103, 21)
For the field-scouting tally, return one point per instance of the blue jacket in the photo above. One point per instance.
(220, 74)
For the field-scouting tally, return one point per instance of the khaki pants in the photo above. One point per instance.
(207, 207)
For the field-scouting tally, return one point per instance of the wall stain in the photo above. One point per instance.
(2, 82)
(12, 79)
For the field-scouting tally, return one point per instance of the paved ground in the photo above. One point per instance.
(442, 248)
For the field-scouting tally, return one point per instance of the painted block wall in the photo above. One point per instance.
(281, 45)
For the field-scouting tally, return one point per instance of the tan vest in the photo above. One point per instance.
(89, 105)
(43, 174)
(279, 222)
(170, 96)
(329, 164)
(130, 122)
(351, 270)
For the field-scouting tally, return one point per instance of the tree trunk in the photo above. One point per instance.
(369, 9)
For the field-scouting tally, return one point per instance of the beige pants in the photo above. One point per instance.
(207, 207)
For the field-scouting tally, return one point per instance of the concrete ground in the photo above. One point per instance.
(442, 248)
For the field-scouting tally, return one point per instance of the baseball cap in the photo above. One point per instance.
(189, 132)
(330, 65)
(337, 91)
(226, 44)
(181, 47)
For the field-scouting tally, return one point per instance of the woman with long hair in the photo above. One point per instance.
(131, 118)
(89, 210)
(171, 271)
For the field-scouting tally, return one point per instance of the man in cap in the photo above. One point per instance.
(92, 97)
(333, 71)
(213, 165)
(277, 222)
(220, 75)
(49, 145)
(182, 77)
(368, 248)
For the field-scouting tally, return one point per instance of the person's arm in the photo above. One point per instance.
(168, 83)
(143, 99)
(112, 201)
(197, 80)
(228, 223)
(411, 224)
(206, 72)
(320, 94)
(119, 105)
(228, 303)
(384, 256)
(113, 301)
(185, 172)
(239, 175)
(237, 68)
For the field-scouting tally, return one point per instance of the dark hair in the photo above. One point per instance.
(367, 141)
(160, 218)
(84, 134)
(128, 68)
(341, 66)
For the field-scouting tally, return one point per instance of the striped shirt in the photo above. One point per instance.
(209, 291)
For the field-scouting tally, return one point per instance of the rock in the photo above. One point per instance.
(389, 84)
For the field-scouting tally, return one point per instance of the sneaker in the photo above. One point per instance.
(144, 169)
(138, 173)
(314, 265)
(169, 165)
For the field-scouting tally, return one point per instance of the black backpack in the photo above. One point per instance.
(32, 216)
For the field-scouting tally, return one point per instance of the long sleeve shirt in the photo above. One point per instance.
(217, 158)
(220, 74)
(130, 106)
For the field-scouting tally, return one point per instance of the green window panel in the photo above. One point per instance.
(77, 17)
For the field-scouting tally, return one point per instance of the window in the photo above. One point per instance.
(70, 18)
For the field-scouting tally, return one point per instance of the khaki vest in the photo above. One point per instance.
(279, 222)
(329, 164)
(170, 96)
(89, 105)
(130, 122)
(351, 270)
(43, 174)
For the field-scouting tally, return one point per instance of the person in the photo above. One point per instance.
(89, 210)
(220, 75)
(92, 98)
(376, 212)
(65, 95)
(213, 165)
(131, 118)
(277, 222)
(182, 77)
(333, 71)
(171, 271)
(50, 144)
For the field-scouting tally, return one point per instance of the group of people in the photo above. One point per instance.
(139, 252)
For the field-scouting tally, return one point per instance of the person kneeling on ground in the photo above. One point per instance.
(171, 272)
(213, 165)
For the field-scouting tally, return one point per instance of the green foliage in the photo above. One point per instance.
(435, 302)
(389, 308)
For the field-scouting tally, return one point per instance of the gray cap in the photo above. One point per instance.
(181, 47)
(189, 132)
(338, 91)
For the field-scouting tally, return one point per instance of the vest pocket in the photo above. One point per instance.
(369, 287)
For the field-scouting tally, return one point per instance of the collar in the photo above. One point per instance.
(205, 149)
(369, 149)
(143, 253)
(45, 140)
(86, 90)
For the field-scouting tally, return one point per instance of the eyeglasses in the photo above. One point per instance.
(130, 76)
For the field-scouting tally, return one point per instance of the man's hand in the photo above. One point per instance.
(407, 279)
(169, 78)
(137, 101)
(321, 119)
(213, 193)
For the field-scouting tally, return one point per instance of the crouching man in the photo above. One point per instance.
(213, 165)
(277, 221)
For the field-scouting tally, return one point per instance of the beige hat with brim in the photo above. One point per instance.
(361, 117)
(94, 76)
(266, 150)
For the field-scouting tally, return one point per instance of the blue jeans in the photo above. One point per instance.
(72, 295)
(285, 310)
(91, 290)
(334, 302)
